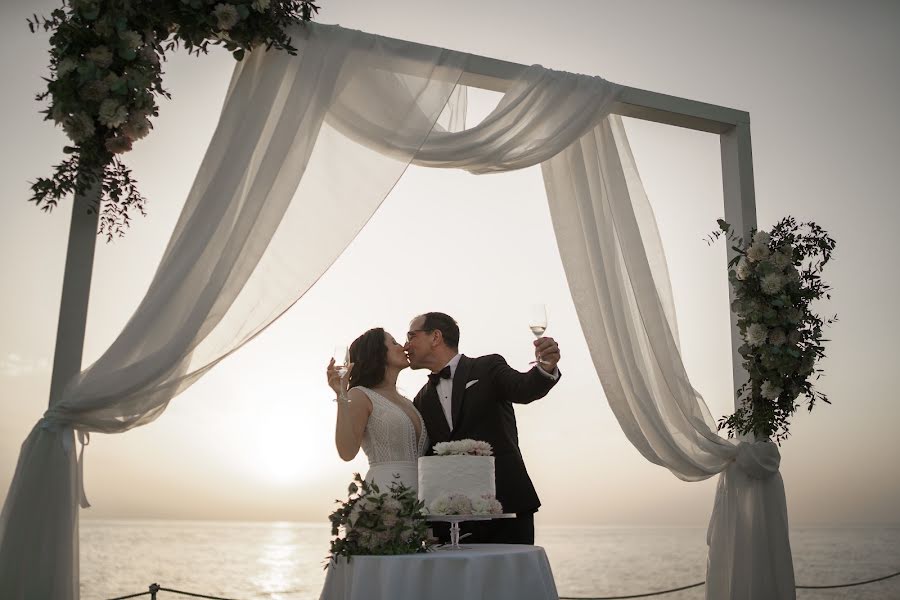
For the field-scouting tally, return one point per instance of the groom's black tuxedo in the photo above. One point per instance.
(484, 390)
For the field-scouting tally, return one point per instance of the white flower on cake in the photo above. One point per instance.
(465, 447)
(460, 504)
(486, 505)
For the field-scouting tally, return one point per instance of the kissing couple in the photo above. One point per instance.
(463, 398)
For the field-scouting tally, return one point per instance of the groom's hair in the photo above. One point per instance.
(368, 354)
(446, 325)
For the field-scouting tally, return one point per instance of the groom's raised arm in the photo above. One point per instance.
(518, 387)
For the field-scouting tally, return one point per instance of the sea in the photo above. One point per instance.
(284, 561)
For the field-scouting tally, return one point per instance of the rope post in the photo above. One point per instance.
(154, 587)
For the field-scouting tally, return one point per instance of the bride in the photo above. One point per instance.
(373, 415)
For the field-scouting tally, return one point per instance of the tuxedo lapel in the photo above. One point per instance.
(433, 415)
(459, 388)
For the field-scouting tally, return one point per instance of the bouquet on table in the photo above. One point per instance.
(373, 522)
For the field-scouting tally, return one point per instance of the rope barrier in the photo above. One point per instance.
(156, 588)
(131, 596)
(698, 584)
(647, 595)
(162, 589)
(843, 585)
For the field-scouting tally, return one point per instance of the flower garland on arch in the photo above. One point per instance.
(106, 73)
(776, 276)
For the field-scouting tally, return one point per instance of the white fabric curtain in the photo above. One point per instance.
(616, 271)
(306, 149)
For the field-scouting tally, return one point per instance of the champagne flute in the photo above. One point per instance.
(537, 322)
(341, 358)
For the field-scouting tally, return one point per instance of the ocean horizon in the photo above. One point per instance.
(285, 560)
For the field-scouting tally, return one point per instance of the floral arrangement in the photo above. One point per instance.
(465, 447)
(460, 504)
(776, 276)
(376, 522)
(106, 72)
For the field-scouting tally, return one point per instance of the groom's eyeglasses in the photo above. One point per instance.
(411, 334)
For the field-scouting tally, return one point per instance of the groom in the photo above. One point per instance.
(473, 398)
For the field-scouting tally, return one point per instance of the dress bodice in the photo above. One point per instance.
(390, 435)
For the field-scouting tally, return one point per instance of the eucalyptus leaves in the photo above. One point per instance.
(776, 277)
(106, 71)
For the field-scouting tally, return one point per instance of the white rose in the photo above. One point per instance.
(757, 252)
(496, 507)
(137, 127)
(780, 260)
(112, 114)
(771, 284)
(482, 449)
(769, 390)
(78, 127)
(440, 505)
(481, 506)
(118, 144)
(743, 270)
(392, 505)
(226, 15)
(460, 505)
(762, 238)
(757, 334)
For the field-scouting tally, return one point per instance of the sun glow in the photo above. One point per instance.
(282, 442)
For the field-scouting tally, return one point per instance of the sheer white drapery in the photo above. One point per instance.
(615, 267)
(306, 149)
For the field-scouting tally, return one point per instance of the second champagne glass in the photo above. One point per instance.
(341, 358)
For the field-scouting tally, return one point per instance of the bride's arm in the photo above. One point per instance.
(352, 416)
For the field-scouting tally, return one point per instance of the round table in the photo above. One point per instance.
(481, 571)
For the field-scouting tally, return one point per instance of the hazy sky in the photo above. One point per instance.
(253, 439)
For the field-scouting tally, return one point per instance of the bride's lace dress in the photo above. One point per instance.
(390, 443)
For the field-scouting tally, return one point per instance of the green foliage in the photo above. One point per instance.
(775, 278)
(375, 522)
(106, 72)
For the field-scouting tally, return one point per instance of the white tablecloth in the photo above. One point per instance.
(481, 571)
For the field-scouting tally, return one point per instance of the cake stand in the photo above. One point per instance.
(455, 520)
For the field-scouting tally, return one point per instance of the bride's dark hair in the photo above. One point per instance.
(368, 353)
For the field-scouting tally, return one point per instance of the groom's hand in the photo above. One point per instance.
(546, 352)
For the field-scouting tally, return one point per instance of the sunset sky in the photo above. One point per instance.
(253, 439)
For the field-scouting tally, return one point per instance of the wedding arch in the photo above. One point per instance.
(306, 149)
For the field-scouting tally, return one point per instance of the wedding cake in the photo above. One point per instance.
(459, 479)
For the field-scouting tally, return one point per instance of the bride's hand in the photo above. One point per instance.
(335, 381)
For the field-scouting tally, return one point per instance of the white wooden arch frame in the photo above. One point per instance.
(732, 126)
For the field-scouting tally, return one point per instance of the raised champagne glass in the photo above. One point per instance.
(537, 322)
(341, 358)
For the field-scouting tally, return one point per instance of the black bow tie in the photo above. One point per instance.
(435, 378)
